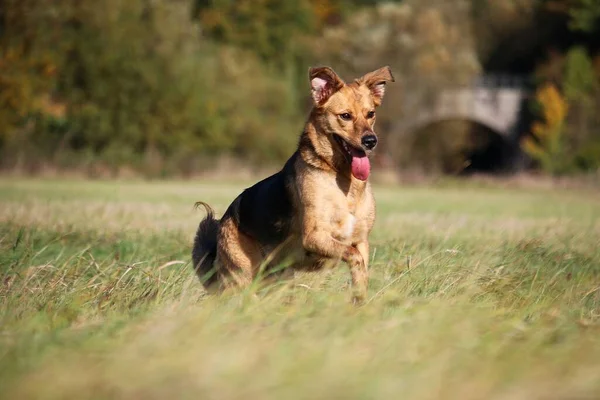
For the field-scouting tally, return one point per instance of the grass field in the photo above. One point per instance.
(476, 293)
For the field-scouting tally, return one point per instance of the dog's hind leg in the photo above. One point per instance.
(238, 256)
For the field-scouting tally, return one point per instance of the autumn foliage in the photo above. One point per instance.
(546, 142)
(169, 86)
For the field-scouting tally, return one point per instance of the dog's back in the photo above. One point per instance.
(265, 210)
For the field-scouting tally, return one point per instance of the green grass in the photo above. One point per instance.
(476, 293)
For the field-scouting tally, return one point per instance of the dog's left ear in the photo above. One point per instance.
(376, 82)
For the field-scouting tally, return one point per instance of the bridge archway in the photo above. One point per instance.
(459, 146)
(489, 151)
(493, 107)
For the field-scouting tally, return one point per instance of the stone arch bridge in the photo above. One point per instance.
(494, 101)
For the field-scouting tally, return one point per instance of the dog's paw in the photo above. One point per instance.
(358, 299)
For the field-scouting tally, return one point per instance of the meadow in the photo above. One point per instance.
(476, 292)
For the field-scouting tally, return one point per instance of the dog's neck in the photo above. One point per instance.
(317, 149)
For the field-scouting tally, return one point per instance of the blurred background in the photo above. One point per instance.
(180, 88)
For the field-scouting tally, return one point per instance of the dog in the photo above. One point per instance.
(319, 209)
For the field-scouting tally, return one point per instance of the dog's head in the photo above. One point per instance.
(345, 114)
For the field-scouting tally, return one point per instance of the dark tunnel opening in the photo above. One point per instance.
(463, 147)
(487, 151)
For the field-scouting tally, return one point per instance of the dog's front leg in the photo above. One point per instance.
(359, 273)
(362, 274)
(321, 242)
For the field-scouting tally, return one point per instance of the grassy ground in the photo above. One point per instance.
(476, 293)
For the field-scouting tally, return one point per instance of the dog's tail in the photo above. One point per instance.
(205, 247)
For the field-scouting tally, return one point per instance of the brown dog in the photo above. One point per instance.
(318, 209)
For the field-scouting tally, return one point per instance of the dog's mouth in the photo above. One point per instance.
(359, 161)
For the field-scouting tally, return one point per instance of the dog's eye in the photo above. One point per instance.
(346, 116)
(370, 114)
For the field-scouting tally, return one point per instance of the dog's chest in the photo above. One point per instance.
(348, 225)
(350, 217)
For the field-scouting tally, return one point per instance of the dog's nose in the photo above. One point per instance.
(369, 141)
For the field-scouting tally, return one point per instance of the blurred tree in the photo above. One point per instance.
(585, 15)
(579, 86)
(552, 40)
(128, 76)
(132, 83)
(26, 71)
(582, 90)
(142, 82)
(517, 35)
(495, 25)
(580, 80)
(267, 27)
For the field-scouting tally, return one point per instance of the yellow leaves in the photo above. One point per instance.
(545, 142)
(554, 106)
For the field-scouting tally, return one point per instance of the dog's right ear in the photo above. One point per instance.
(324, 82)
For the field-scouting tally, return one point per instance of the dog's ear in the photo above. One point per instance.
(324, 82)
(376, 82)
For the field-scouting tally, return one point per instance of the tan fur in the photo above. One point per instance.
(333, 212)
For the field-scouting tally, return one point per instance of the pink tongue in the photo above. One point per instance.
(361, 167)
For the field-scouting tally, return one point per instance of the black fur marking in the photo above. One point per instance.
(264, 211)
(204, 251)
